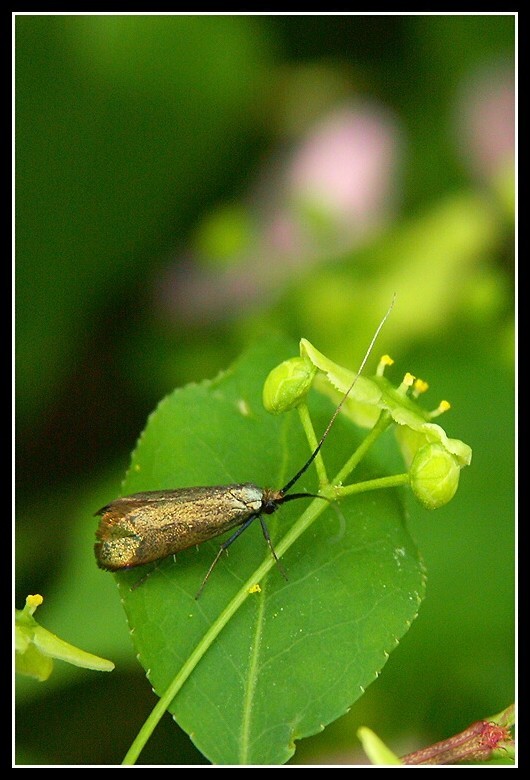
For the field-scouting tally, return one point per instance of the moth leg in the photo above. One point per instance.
(223, 547)
(269, 542)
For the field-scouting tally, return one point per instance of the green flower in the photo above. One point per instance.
(36, 647)
(372, 395)
(433, 460)
(287, 385)
(434, 475)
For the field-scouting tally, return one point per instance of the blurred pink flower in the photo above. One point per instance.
(486, 120)
(331, 193)
(347, 166)
(282, 233)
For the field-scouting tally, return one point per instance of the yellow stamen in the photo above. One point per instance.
(384, 361)
(420, 386)
(443, 406)
(408, 381)
(32, 602)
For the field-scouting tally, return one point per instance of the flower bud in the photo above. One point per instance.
(434, 475)
(287, 385)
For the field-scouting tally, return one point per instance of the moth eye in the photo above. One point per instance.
(269, 507)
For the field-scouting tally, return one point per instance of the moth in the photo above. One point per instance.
(149, 526)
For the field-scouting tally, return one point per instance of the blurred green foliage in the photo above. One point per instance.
(142, 144)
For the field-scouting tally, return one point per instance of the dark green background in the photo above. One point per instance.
(130, 132)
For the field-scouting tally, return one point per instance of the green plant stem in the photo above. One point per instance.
(372, 484)
(313, 511)
(307, 425)
(381, 425)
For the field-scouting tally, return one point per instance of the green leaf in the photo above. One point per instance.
(298, 653)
